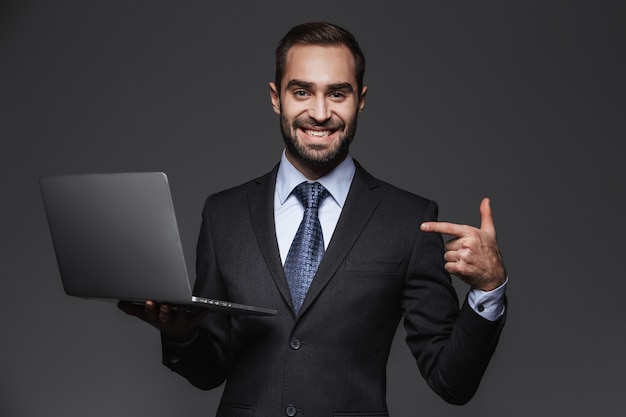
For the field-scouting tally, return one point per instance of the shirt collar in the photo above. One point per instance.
(337, 181)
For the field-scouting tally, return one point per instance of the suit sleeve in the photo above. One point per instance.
(452, 346)
(204, 362)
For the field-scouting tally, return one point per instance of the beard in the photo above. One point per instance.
(318, 155)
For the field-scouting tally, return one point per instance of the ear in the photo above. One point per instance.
(275, 98)
(362, 99)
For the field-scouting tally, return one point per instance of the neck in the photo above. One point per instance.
(311, 171)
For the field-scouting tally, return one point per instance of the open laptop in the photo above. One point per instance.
(115, 237)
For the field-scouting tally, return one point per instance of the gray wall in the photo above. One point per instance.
(519, 101)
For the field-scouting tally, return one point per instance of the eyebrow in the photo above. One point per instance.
(347, 87)
(332, 87)
(298, 83)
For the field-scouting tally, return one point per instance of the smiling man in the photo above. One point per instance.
(341, 255)
(319, 106)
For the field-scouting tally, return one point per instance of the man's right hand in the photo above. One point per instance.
(176, 323)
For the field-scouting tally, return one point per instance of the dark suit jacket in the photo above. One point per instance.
(331, 359)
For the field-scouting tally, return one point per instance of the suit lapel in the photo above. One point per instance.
(359, 207)
(261, 206)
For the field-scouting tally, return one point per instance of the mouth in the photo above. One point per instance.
(318, 133)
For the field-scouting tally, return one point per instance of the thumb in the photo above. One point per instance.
(486, 217)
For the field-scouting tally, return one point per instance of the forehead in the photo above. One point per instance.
(320, 65)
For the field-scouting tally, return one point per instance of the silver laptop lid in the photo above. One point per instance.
(115, 236)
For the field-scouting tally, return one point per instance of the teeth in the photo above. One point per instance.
(318, 133)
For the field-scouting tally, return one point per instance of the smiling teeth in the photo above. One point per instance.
(318, 133)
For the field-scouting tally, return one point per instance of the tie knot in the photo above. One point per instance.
(310, 194)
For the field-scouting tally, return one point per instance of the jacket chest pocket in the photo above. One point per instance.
(373, 266)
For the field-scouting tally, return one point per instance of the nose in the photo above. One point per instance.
(319, 110)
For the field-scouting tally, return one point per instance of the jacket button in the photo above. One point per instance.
(291, 411)
(295, 343)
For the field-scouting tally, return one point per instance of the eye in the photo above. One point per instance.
(300, 93)
(338, 95)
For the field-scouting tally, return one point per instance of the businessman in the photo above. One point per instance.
(341, 255)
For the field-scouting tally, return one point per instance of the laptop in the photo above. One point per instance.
(115, 237)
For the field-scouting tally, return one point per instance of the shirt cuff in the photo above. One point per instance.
(488, 304)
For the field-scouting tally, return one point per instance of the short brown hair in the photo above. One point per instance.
(319, 33)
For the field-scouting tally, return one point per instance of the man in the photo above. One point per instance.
(383, 258)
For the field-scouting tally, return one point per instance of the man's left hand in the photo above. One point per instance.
(473, 254)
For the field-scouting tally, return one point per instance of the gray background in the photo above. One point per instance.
(519, 101)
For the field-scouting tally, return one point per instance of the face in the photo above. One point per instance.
(318, 106)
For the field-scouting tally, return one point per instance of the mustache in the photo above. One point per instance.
(309, 123)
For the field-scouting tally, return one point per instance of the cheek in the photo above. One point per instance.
(293, 108)
(347, 117)
(347, 113)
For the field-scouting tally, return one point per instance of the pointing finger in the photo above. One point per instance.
(445, 228)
